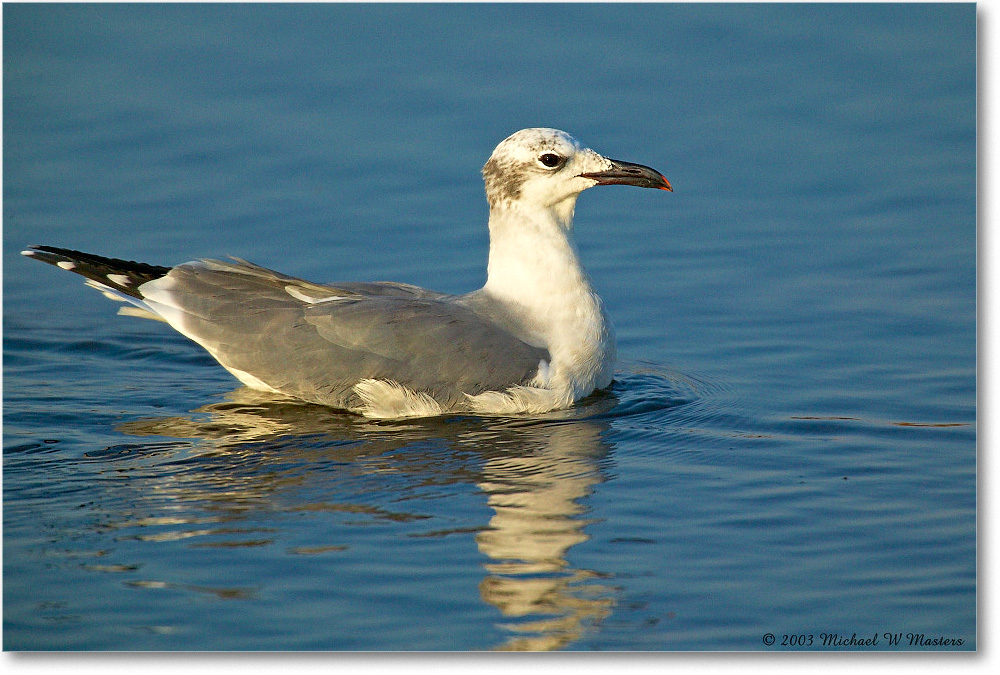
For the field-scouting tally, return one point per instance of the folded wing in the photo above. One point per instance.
(317, 342)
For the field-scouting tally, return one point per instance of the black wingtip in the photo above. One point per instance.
(122, 275)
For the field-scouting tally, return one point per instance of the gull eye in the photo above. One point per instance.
(550, 160)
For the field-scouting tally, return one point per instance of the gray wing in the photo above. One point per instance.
(317, 341)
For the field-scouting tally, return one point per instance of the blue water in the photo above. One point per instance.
(790, 444)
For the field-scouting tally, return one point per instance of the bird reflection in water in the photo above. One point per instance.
(534, 473)
(537, 520)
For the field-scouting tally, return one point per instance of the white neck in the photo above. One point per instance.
(535, 271)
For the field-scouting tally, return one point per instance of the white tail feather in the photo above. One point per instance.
(386, 399)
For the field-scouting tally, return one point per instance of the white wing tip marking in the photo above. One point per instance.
(298, 294)
(66, 265)
(140, 313)
(107, 291)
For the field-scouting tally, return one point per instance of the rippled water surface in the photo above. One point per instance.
(790, 444)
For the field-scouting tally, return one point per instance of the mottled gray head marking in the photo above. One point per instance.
(503, 180)
(546, 169)
(522, 155)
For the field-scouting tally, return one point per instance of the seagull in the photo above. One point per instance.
(534, 338)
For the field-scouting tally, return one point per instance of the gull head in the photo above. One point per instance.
(548, 168)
